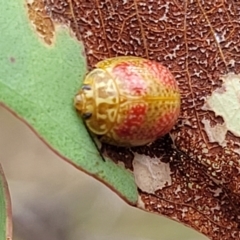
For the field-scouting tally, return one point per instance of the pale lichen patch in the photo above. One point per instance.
(150, 173)
(225, 102)
(215, 133)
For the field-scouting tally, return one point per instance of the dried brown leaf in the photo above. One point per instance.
(199, 42)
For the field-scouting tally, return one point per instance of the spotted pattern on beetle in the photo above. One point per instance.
(129, 101)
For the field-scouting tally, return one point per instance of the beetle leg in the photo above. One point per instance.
(86, 87)
(87, 115)
(99, 149)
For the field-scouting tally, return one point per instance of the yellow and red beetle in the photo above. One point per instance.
(129, 101)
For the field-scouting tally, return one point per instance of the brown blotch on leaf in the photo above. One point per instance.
(12, 59)
(42, 23)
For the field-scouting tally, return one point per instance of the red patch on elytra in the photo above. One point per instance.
(135, 79)
(161, 72)
(133, 121)
(130, 78)
(166, 123)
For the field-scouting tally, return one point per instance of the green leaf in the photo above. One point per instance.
(38, 83)
(5, 209)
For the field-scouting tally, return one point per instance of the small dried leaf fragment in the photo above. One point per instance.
(225, 102)
(215, 133)
(150, 173)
